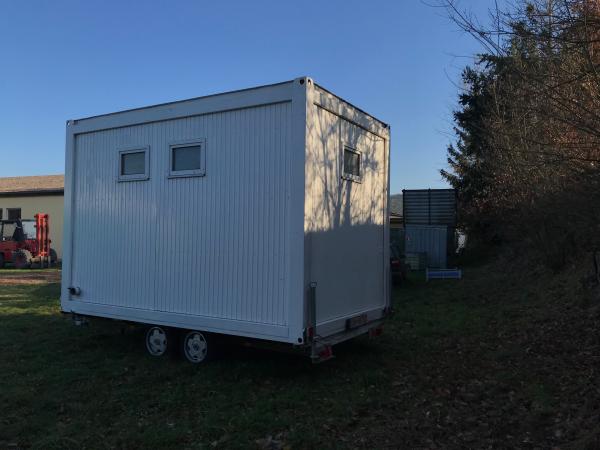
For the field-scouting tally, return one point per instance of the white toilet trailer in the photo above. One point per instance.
(259, 213)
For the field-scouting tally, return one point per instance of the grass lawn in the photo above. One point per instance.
(477, 363)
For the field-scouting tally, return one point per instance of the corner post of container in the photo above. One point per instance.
(68, 231)
(386, 230)
(301, 93)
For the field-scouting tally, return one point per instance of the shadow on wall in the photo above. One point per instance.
(348, 266)
(345, 218)
(332, 200)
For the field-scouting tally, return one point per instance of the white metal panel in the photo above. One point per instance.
(341, 108)
(345, 220)
(227, 101)
(212, 246)
(111, 258)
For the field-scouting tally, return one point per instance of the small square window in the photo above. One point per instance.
(133, 164)
(13, 213)
(352, 162)
(187, 159)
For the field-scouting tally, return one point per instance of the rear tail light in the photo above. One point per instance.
(326, 353)
(374, 332)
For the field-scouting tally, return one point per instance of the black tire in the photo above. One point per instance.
(23, 259)
(53, 256)
(199, 347)
(1, 261)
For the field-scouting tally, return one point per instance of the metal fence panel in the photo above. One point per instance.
(429, 239)
(429, 207)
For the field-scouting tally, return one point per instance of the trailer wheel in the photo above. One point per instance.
(23, 259)
(198, 347)
(156, 341)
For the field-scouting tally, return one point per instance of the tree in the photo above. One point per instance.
(468, 158)
(525, 163)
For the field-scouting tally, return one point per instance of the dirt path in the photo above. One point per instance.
(25, 277)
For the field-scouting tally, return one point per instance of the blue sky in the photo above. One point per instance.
(399, 60)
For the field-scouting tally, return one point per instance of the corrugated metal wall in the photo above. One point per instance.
(213, 246)
(429, 207)
(430, 239)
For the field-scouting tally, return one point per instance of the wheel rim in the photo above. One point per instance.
(195, 347)
(156, 341)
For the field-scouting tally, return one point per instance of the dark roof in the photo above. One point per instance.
(35, 185)
(395, 218)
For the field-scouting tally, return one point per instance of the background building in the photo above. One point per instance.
(23, 197)
(396, 223)
(429, 226)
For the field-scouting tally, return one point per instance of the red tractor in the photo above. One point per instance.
(26, 242)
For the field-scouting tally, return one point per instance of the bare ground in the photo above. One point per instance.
(28, 277)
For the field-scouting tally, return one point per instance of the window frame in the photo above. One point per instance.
(137, 176)
(9, 210)
(201, 172)
(350, 176)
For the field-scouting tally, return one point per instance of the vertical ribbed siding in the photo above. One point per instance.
(109, 227)
(344, 219)
(429, 239)
(210, 246)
